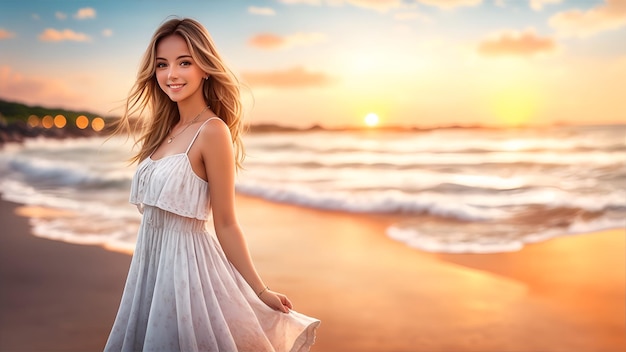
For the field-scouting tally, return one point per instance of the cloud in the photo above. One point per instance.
(513, 43)
(60, 15)
(53, 35)
(267, 41)
(378, 5)
(577, 23)
(35, 90)
(263, 11)
(4, 34)
(450, 4)
(296, 77)
(537, 5)
(409, 16)
(85, 13)
(270, 41)
(308, 2)
(107, 32)
(35, 17)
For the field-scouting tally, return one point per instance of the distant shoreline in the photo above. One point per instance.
(19, 131)
(15, 125)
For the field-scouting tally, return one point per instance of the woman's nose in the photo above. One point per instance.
(172, 72)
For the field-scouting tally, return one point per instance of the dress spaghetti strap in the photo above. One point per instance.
(198, 132)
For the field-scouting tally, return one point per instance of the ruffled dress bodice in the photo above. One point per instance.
(170, 184)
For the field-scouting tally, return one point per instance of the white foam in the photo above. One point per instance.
(390, 201)
(101, 233)
(58, 172)
(462, 238)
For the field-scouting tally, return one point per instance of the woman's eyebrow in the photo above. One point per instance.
(178, 58)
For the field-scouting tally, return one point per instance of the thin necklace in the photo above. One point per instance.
(169, 140)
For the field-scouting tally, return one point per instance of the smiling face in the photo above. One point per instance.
(177, 73)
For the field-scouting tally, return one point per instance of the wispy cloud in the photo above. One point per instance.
(410, 16)
(85, 13)
(35, 90)
(53, 35)
(296, 77)
(512, 43)
(5, 34)
(60, 15)
(263, 11)
(537, 5)
(378, 5)
(308, 2)
(35, 17)
(270, 41)
(450, 4)
(107, 32)
(578, 23)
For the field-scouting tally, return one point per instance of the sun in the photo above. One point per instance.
(371, 119)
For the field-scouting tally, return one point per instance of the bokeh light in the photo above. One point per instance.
(82, 122)
(97, 124)
(47, 121)
(33, 121)
(60, 121)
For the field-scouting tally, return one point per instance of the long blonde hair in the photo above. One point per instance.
(221, 91)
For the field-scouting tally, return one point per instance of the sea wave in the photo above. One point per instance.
(54, 173)
(451, 206)
(494, 237)
(476, 191)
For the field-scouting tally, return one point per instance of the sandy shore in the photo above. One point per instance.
(54, 296)
(371, 293)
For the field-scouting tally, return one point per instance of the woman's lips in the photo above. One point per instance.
(176, 87)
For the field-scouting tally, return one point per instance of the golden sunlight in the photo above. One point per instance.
(371, 119)
(515, 106)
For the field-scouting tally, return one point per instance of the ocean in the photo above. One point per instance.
(454, 190)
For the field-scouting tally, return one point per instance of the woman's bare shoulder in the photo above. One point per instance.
(214, 133)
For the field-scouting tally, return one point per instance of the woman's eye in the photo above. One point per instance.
(185, 63)
(160, 64)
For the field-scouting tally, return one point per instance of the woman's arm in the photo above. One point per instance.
(219, 162)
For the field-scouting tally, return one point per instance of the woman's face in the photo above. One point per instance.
(177, 73)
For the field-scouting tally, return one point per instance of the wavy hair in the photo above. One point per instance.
(221, 91)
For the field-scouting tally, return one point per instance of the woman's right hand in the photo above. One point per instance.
(276, 301)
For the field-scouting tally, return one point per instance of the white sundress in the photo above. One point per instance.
(182, 293)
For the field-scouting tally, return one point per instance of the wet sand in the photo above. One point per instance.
(371, 293)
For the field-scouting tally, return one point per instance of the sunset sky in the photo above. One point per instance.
(332, 62)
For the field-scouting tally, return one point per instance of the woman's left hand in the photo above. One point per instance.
(276, 301)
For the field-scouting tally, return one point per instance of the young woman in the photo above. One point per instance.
(187, 288)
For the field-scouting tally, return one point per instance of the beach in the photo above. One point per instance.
(370, 292)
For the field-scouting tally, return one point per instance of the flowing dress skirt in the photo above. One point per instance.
(182, 294)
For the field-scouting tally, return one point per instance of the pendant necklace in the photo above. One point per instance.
(169, 140)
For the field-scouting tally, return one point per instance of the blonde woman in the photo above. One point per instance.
(187, 288)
